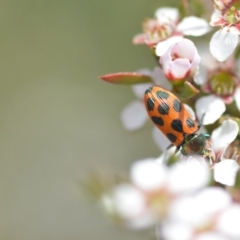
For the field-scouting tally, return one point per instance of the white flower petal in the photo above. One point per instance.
(212, 106)
(201, 75)
(207, 60)
(193, 26)
(237, 97)
(211, 236)
(224, 135)
(228, 222)
(183, 209)
(225, 172)
(163, 46)
(176, 231)
(129, 201)
(216, 16)
(160, 139)
(199, 209)
(134, 115)
(139, 89)
(179, 68)
(207, 198)
(188, 176)
(184, 49)
(223, 43)
(160, 79)
(131, 205)
(167, 15)
(190, 111)
(146, 220)
(148, 174)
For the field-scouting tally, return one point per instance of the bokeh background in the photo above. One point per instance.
(57, 120)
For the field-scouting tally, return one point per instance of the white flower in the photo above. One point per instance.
(186, 176)
(196, 209)
(180, 60)
(196, 216)
(225, 40)
(229, 220)
(134, 115)
(133, 203)
(166, 25)
(220, 93)
(148, 175)
(158, 29)
(225, 134)
(223, 43)
(212, 106)
(175, 231)
(189, 26)
(211, 236)
(130, 205)
(220, 82)
(163, 46)
(224, 171)
(193, 26)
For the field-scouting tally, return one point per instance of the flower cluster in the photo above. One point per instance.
(191, 191)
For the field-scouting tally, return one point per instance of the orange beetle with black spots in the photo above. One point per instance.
(174, 121)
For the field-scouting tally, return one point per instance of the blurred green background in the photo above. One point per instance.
(57, 120)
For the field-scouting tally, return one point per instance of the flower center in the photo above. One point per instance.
(156, 31)
(232, 16)
(159, 201)
(222, 84)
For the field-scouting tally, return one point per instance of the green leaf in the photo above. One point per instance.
(126, 78)
(187, 90)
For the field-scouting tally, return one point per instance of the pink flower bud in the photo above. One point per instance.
(181, 60)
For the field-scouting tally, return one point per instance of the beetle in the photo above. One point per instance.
(171, 117)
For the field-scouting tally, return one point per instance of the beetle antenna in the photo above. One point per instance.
(201, 121)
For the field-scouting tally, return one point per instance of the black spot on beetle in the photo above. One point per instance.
(158, 121)
(162, 94)
(163, 108)
(190, 123)
(149, 90)
(172, 137)
(177, 105)
(150, 104)
(177, 125)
